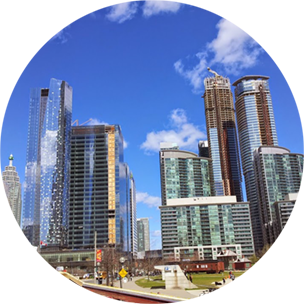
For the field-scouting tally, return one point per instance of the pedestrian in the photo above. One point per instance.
(232, 278)
(224, 281)
(190, 277)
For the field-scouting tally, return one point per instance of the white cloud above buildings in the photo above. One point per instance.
(48, 19)
(95, 121)
(149, 200)
(151, 8)
(247, 31)
(185, 134)
(122, 12)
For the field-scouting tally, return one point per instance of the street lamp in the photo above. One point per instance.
(121, 260)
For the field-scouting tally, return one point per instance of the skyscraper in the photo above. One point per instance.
(99, 189)
(47, 164)
(183, 173)
(278, 173)
(12, 188)
(222, 138)
(133, 214)
(143, 235)
(256, 127)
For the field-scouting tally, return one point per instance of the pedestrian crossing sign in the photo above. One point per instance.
(123, 273)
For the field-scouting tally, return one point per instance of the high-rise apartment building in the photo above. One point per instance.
(183, 173)
(222, 137)
(46, 191)
(100, 189)
(201, 227)
(12, 187)
(290, 216)
(278, 173)
(143, 235)
(256, 127)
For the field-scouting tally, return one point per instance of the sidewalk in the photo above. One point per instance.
(247, 283)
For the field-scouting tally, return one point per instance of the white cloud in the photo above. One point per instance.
(194, 75)
(149, 200)
(48, 18)
(184, 134)
(122, 12)
(62, 36)
(95, 121)
(125, 144)
(245, 33)
(157, 7)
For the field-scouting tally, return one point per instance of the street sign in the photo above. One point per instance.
(122, 273)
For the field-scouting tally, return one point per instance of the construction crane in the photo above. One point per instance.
(213, 72)
(77, 122)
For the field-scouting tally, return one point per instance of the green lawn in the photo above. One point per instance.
(201, 280)
(297, 278)
(205, 280)
(153, 282)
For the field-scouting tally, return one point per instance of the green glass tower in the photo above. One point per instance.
(278, 173)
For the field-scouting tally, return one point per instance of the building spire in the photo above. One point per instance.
(11, 158)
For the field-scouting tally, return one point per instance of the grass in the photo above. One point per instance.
(297, 278)
(205, 280)
(153, 282)
(202, 280)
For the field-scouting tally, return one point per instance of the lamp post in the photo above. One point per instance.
(121, 260)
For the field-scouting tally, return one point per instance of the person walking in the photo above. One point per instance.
(232, 278)
(190, 277)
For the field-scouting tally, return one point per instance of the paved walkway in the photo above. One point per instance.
(247, 283)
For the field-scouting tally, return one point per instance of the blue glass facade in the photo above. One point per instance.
(256, 127)
(47, 147)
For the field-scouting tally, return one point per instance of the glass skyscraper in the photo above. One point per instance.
(222, 137)
(12, 187)
(256, 127)
(100, 189)
(183, 174)
(46, 191)
(278, 173)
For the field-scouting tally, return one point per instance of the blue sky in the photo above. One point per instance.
(142, 65)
